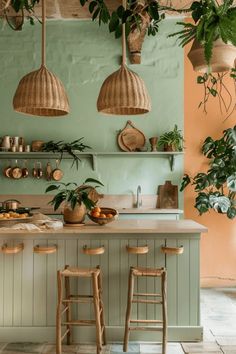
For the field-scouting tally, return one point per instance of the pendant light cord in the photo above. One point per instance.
(43, 33)
(123, 38)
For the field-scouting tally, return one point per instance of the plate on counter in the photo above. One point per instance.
(9, 221)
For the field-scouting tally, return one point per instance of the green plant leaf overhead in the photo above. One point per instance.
(211, 21)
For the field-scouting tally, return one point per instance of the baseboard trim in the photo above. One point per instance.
(114, 334)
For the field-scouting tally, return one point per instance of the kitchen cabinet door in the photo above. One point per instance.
(182, 282)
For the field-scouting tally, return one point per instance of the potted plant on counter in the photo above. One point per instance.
(172, 140)
(75, 199)
(216, 189)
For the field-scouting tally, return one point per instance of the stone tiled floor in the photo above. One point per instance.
(218, 319)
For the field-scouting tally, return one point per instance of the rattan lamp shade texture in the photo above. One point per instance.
(123, 93)
(41, 93)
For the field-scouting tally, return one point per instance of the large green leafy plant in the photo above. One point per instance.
(132, 15)
(212, 21)
(216, 189)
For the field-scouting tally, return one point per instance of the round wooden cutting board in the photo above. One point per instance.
(131, 138)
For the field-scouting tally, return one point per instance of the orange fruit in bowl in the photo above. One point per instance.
(97, 210)
(109, 215)
(102, 215)
(96, 214)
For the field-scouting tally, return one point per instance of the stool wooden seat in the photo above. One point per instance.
(80, 272)
(148, 272)
(64, 305)
(160, 299)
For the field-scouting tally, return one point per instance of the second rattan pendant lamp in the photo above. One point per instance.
(41, 93)
(123, 92)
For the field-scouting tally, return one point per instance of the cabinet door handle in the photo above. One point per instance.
(12, 250)
(93, 251)
(45, 249)
(137, 250)
(172, 250)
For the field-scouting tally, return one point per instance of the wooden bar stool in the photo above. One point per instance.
(64, 304)
(160, 325)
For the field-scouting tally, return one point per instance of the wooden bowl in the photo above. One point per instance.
(104, 221)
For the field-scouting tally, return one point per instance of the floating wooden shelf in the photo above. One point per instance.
(91, 155)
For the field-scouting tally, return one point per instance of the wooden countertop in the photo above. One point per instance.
(124, 226)
(149, 211)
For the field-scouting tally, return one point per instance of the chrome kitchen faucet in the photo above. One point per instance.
(139, 198)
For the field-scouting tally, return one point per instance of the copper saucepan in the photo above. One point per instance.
(11, 204)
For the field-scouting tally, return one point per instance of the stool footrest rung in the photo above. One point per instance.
(147, 301)
(77, 301)
(146, 321)
(80, 296)
(64, 310)
(144, 294)
(66, 332)
(147, 328)
(79, 323)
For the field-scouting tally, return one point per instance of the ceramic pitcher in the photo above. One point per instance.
(6, 142)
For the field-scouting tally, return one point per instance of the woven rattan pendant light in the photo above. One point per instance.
(123, 92)
(41, 93)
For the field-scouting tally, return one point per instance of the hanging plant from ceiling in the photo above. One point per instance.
(213, 51)
(140, 17)
(15, 12)
(216, 188)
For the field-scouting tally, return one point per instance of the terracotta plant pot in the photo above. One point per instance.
(223, 57)
(76, 215)
(168, 147)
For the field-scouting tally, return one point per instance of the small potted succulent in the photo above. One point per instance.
(216, 188)
(75, 199)
(172, 140)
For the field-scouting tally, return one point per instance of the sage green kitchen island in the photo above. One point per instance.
(28, 288)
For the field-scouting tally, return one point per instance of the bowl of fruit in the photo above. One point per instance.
(102, 215)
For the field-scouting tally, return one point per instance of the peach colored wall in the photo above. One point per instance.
(218, 246)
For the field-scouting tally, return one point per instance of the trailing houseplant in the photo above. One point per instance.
(216, 188)
(213, 33)
(214, 86)
(172, 140)
(19, 9)
(62, 147)
(75, 199)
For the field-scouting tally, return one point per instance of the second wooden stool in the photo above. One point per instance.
(160, 325)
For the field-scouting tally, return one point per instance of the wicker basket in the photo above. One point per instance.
(223, 57)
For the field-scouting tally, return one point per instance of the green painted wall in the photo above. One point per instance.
(83, 55)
